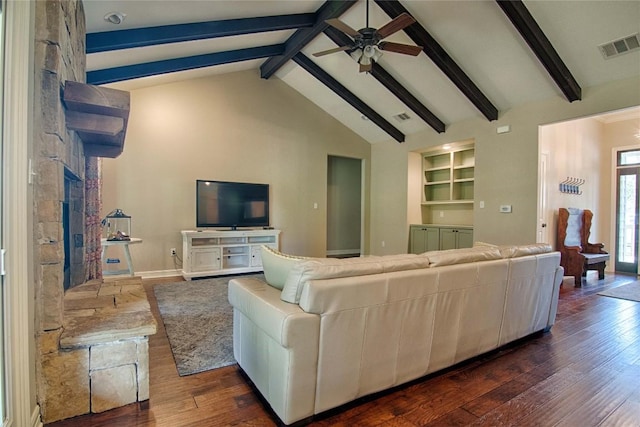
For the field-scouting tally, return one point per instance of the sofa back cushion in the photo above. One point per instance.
(515, 251)
(332, 268)
(277, 265)
(524, 250)
(463, 256)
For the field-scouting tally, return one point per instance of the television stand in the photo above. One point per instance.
(220, 252)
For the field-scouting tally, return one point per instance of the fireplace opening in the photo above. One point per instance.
(73, 229)
(65, 235)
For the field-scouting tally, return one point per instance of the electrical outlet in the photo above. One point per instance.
(172, 252)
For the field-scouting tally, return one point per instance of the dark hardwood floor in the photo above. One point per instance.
(585, 372)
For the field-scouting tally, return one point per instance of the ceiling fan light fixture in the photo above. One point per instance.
(367, 43)
(369, 51)
(356, 55)
(370, 54)
(376, 55)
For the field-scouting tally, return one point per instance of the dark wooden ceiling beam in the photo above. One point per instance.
(140, 37)
(127, 72)
(329, 10)
(348, 96)
(441, 58)
(531, 32)
(392, 84)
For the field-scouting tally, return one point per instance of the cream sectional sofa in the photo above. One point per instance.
(342, 329)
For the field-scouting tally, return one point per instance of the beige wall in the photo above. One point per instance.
(584, 148)
(505, 169)
(233, 127)
(573, 150)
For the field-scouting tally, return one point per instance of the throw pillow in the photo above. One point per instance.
(277, 265)
(574, 224)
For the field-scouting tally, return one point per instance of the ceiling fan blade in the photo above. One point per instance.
(400, 48)
(398, 23)
(338, 24)
(334, 50)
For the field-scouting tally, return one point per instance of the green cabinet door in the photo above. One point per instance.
(455, 238)
(423, 239)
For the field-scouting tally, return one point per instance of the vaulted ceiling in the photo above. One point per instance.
(480, 58)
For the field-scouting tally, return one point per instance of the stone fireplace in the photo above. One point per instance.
(91, 336)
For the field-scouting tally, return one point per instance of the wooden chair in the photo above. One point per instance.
(577, 254)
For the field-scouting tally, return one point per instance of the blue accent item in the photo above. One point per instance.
(127, 72)
(140, 37)
(113, 261)
(299, 39)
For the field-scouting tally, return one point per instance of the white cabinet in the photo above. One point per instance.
(205, 259)
(256, 256)
(218, 252)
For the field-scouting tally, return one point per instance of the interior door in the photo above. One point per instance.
(545, 216)
(627, 205)
(344, 206)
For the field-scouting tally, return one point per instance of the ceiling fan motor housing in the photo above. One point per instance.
(368, 36)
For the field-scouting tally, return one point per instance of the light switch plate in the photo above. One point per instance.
(505, 208)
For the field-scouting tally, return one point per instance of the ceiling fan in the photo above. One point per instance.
(367, 42)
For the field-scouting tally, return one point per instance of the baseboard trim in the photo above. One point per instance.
(158, 274)
(35, 417)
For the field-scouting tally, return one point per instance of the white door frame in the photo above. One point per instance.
(544, 225)
(614, 214)
(17, 215)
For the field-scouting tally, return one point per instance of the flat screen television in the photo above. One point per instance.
(231, 204)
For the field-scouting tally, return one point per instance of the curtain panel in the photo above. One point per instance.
(93, 226)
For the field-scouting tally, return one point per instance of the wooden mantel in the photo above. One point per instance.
(99, 115)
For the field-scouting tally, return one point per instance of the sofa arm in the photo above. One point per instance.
(553, 310)
(276, 345)
(262, 304)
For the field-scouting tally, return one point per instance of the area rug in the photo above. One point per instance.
(630, 292)
(199, 323)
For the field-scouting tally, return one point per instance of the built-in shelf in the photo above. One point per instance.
(448, 178)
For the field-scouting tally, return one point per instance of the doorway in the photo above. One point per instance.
(344, 207)
(627, 210)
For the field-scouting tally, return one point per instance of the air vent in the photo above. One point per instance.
(402, 117)
(620, 46)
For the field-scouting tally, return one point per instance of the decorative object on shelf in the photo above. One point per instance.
(116, 225)
(571, 185)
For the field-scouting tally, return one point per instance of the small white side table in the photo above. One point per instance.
(125, 244)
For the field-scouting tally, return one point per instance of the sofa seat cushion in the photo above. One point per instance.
(463, 256)
(332, 268)
(277, 265)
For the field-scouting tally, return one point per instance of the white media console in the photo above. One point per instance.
(218, 252)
